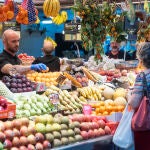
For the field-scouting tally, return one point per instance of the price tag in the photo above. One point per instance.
(87, 109)
(90, 83)
(54, 98)
(40, 87)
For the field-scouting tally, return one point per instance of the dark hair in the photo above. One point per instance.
(143, 53)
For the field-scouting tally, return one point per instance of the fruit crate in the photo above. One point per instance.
(10, 112)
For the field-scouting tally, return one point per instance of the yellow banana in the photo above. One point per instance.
(64, 16)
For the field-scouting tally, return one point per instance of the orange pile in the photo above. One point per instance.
(48, 78)
(7, 12)
(102, 108)
(22, 16)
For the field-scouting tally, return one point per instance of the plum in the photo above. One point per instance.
(19, 80)
(7, 84)
(19, 90)
(14, 90)
(13, 85)
(6, 79)
(13, 80)
(19, 85)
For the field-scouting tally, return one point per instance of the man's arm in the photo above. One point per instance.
(7, 68)
(18, 68)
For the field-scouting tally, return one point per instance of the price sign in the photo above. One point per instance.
(54, 98)
(87, 109)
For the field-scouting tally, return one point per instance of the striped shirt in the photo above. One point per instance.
(138, 89)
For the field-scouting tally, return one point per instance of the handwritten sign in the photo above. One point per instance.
(54, 98)
(87, 109)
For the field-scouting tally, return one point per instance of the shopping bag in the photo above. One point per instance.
(141, 118)
(123, 136)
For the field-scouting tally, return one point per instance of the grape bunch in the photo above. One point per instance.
(18, 83)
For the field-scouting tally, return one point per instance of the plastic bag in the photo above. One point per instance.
(123, 136)
(8, 11)
(28, 14)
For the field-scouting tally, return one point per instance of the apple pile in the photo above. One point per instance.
(32, 105)
(81, 78)
(111, 74)
(58, 130)
(20, 134)
(91, 126)
(26, 59)
(3, 103)
(18, 83)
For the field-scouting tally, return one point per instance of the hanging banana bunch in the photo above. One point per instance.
(51, 8)
(50, 40)
(131, 13)
(146, 7)
(60, 18)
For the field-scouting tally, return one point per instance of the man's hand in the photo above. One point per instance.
(38, 67)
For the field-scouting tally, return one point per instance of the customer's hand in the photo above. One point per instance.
(38, 67)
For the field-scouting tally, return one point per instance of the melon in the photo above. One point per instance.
(119, 92)
(108, 93)
(120, 101)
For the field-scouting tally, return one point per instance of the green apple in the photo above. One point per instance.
(27, 106)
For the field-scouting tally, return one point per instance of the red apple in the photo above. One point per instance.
(84, 126)
(16, 132)
(23, 148)
(84, 135)
(39, 146)
(24, 121)
(107, 130)
(31, 147)
(16, 142)
(24, 130)
(2, 137)
(32, 139)
(2, 126)
(7, 144)
(8, 134)
(8, 125)
(91, 134)
(31, 129)
(39, 137)
(16, 123)
(23, 140)
(101, 131)
(46, 144)
(101, 123)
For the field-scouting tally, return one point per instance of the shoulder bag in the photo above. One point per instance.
(141, 117)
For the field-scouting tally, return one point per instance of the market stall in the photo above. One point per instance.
(80, 106)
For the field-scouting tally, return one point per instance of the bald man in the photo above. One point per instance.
(9, 62)
(52, 62)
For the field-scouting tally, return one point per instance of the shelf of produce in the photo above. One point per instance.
(104, 142)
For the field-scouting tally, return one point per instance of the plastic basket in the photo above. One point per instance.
(10, 112)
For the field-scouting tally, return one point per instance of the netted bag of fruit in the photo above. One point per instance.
(8, 10)
(28, 14)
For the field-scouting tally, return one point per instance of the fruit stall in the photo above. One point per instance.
(78, 107)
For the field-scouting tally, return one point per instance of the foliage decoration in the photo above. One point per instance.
(98, 20)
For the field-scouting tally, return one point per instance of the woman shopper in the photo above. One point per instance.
(141, 138)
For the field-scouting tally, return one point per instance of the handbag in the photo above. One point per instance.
(123, 136)
(141, 117)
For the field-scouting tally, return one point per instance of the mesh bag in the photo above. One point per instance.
(27, 13)
(8, 11)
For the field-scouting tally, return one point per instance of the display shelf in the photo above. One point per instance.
(104, 142)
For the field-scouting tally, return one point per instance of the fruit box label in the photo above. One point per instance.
(40, 87)
(54, 98)
(87, 109)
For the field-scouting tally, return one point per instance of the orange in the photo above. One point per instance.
(109, 108)
(101, 103)
(105, 113)
(10, 15)
(101, 109)
(5, 8)
(97, 110)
